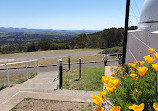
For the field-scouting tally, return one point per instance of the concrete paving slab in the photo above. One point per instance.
(43, 82)
(55, 95)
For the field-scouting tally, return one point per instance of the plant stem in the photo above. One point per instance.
(118, 100)
(157, 82)
(135, 99)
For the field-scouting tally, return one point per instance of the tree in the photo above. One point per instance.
(81, 41)
(31, 47)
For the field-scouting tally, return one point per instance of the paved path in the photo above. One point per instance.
(43, 82)
(41, 87)
(108, 73)
(108, 70)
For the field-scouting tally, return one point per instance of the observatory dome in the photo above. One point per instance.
(149, 13)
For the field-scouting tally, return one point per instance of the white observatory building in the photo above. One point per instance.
(146, 35)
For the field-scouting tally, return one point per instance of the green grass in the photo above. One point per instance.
(74, 59)
(89, 105)
(50, 52)
(25, 106)
(54, 101)
(28, 99)
(2, 86)
(14, 108)
(14, 79)
(90, 79)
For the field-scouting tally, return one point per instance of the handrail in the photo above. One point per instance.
(18, 62)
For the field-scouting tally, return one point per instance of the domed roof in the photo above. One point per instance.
(149, 12)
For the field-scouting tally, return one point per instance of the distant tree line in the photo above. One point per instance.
(46, 44)
(13, 48)
(19, 36)
(105, 39)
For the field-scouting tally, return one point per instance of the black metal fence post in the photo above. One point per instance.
(79, 68)
(126, 31)
(60, 74)
(69, 62)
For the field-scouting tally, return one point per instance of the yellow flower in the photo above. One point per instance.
(141, 63)
(119, 69)
(103, 93)
(98, 100)
(155, 105)
(110, 87)
(142, 70)
(115, 108)
(149, 59)
(156, 56)
(99, 109)
(133, 75)
(105, 79)
(133, 65)
(134, 62)
(150, 50)
(94, 96)
(113, 74)
(101, 96)
(118, 65)
(115, 81)
(132, 71)
(137, 108)
(114, 69)
(155, 67)
(130, 64)
(146, 56)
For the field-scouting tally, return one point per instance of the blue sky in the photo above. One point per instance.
(67, 14)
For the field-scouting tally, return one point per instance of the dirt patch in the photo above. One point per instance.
(29, 104)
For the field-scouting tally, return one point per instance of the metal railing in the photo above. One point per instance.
(17, 72)
(73, 60)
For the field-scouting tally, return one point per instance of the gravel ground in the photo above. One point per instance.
(52, 105)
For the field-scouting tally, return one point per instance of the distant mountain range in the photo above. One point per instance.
(26, 30)
(14, 35)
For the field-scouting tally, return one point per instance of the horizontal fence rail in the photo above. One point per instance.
(12, 74)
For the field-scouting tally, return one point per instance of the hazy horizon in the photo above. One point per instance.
(44, 28)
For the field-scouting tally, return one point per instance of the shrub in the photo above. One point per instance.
(112, 50)
(134, 86)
